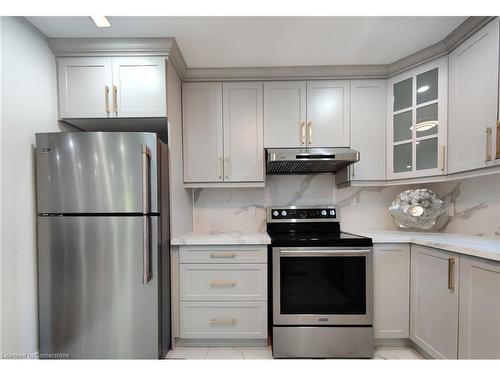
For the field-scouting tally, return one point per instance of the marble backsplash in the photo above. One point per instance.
(473, 204)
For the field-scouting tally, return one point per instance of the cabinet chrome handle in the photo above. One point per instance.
(106, 98)
(222, 254)
(451, 266)
(146, 266)
(115, 99)
(223, 321)
(223, 283)
(310, 131)
(488, 144)
(303, 133)
(220, 168)
(352, 167)
(442, 157)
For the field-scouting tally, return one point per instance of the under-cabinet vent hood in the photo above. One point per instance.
(308, 160)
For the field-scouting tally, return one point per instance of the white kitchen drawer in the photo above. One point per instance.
(223, 282)
(223, 254)
(223, 320)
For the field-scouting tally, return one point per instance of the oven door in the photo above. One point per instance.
(322, 286)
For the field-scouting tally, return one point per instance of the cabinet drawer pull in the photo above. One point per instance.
(106, 98)
(488, 144)
(223, 255)
(223, 321)
(451, 276)
(223, 283)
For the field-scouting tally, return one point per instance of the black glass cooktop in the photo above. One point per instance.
(319, 239)
(313, 234)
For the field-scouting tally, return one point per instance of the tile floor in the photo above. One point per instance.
(265, 353)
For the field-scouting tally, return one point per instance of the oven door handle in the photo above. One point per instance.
(323, 252)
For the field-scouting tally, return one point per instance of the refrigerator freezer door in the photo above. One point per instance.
(95, 172)
(92, 299)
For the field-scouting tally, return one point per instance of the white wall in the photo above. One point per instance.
(29, 105)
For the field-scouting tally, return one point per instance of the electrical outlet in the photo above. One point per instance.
(251, 211)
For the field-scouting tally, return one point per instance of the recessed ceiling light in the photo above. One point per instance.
(100, 21)
(423, 89)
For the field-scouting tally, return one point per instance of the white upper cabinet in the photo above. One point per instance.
(474, 100)
(223, 135)
(139, 86)
(285, 114)
(479, 318)
(368, 122)
(202, 132)
(328, 113)
(306, 114)
(417, 121)
(102, 87)
(434, 301)
(85, 85)
(243, 132)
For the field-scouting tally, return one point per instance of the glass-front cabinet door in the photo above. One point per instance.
(417, 121)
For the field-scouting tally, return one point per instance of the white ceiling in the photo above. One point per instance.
(271, 41)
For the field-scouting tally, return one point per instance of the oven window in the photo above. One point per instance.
(323, 285)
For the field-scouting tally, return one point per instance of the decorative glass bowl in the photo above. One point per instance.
(419, 208)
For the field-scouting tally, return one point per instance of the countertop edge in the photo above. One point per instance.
(392, 238)
(221, 238)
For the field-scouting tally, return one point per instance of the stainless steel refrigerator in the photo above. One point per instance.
(103, 245)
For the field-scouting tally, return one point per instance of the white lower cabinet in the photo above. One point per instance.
(223, 292)
(479, 322)
(391, 290)
(223, 254)
(434, 301)
(223, 282)
(223, 320)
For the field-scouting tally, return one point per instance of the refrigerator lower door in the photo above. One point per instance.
(93, 302)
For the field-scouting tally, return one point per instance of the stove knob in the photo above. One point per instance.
(332, 212)
(323, 212)
(283, 213)
(275, 213)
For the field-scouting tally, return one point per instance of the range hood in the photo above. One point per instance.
(308, 160)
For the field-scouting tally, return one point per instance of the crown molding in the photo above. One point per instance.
(177, 60)
(286, 72)
(443, 47)
(111, 46)
(169, 48)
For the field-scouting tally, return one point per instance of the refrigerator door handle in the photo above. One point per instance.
(146, 274)
(146, 156)
(146, 269)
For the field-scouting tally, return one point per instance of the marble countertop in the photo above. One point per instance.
(222, 238)
(483, 247)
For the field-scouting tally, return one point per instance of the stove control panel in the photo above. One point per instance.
(301, 213)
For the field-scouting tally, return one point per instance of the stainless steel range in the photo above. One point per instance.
(322, 285)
